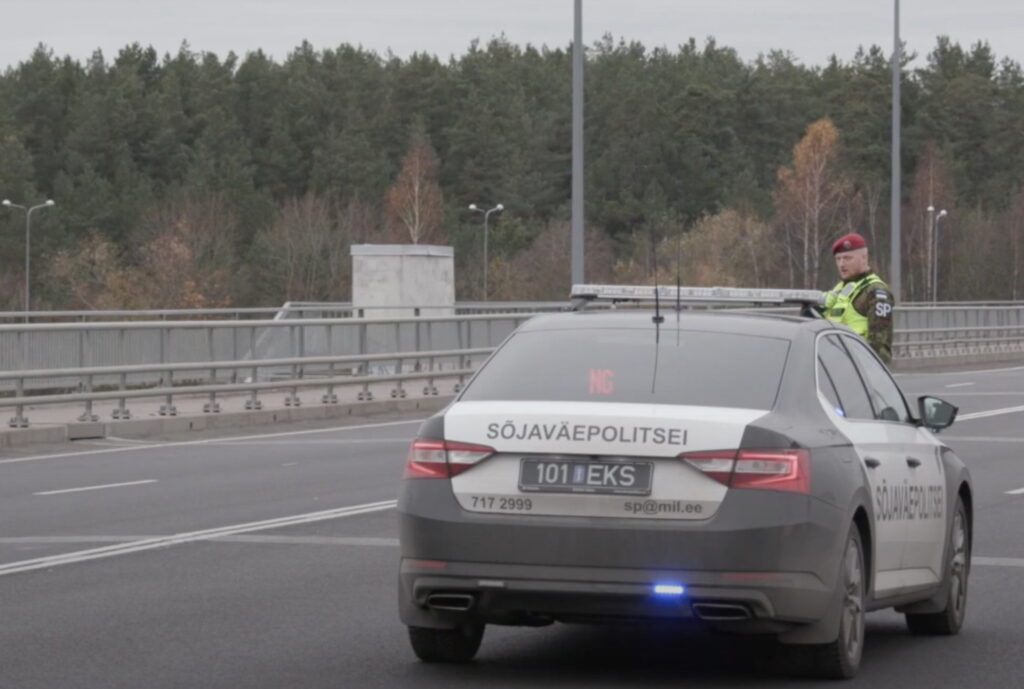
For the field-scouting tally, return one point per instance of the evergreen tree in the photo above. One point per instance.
(673, 137)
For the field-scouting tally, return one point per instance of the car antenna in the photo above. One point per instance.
(679, 305)
(658, 320)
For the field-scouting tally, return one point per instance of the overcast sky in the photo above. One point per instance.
(810, 29)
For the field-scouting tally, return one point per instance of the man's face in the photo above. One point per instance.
(851, 263)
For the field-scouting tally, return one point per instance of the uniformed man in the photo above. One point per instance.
(861, 301)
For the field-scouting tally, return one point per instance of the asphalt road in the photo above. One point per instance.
(238, 561)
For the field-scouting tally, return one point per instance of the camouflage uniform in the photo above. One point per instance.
(873, 303)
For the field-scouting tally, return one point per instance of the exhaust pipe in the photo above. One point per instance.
(721, 612)
(451, 602)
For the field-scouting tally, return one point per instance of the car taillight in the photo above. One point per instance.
(717, 465)
(785, 470)
(442, 459)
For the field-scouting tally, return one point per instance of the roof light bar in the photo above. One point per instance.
(746, 295)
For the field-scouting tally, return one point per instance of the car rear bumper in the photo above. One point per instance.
(435, 594)
(769, 559)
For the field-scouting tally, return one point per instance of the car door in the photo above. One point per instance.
(919, 501)
(846, 397)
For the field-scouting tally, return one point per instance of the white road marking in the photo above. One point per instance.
(980, 439)
(311, 540)
(990, 412)
(206, 441)
(241, 538)
(189, 537)
(998, 561)
(1019, 491)
(953, 373)
(106, 485)
(324, 441)
(290, 464)
(969, 393)
(959, 385)
(43, 540)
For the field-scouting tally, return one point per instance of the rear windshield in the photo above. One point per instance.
(698, 368)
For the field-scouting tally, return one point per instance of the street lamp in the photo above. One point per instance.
(576, 253)
(935, 255)
(28, 241)
(487, 214)
(896, 205)
(930, 238)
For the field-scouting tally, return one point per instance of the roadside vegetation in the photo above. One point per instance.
(193, 179)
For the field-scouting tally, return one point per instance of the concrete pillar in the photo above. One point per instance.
(402, 280)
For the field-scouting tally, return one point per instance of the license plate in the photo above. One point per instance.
(558, 476)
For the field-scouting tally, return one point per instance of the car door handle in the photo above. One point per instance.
(913, 462)
(872, 462)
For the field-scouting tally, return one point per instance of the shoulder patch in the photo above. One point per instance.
(881, 294)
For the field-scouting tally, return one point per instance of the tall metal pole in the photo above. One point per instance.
(487, 258)
(930, 236)
(896, 276)
(935, 259)
(577, 147)
(935, 255)
(28, 239)
(487, 215)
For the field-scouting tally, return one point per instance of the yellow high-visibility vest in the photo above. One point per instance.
(839, 304)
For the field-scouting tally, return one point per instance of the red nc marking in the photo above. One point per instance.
(601, 381)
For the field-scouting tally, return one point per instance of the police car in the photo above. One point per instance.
(758, 472)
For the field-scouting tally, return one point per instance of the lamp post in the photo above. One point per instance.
(577, 250)
(28, 242)
(930, 238)
(895, 239)
(935, 255)
(487, 214)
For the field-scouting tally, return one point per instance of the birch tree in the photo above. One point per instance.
(414, 204)
(810, 199)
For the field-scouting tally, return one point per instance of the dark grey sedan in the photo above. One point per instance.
(758, 473)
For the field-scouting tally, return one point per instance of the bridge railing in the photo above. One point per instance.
(958, 330)
(292, 309)
(329, 372)
(58, 347)
(75, 361)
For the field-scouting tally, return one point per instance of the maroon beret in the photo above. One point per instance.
(849, 242)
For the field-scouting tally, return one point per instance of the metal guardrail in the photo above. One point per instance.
(908, 315)
(924, 343)
(287, 310)
(967, 314)
(61, 346)
(69, 361)
(958, 329)
(303, 372)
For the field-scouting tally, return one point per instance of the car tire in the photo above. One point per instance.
(958, 568)
(841, 658)
(457, 645)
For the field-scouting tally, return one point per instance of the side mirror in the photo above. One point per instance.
(936, 414)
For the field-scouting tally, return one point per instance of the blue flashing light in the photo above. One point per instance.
(669, 589)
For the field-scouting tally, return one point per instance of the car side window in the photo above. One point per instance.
(885, 395)
(839, 368)
(828, 389)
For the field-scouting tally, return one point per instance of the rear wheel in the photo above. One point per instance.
(841, 658)
(457, 645)
(949, 621)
